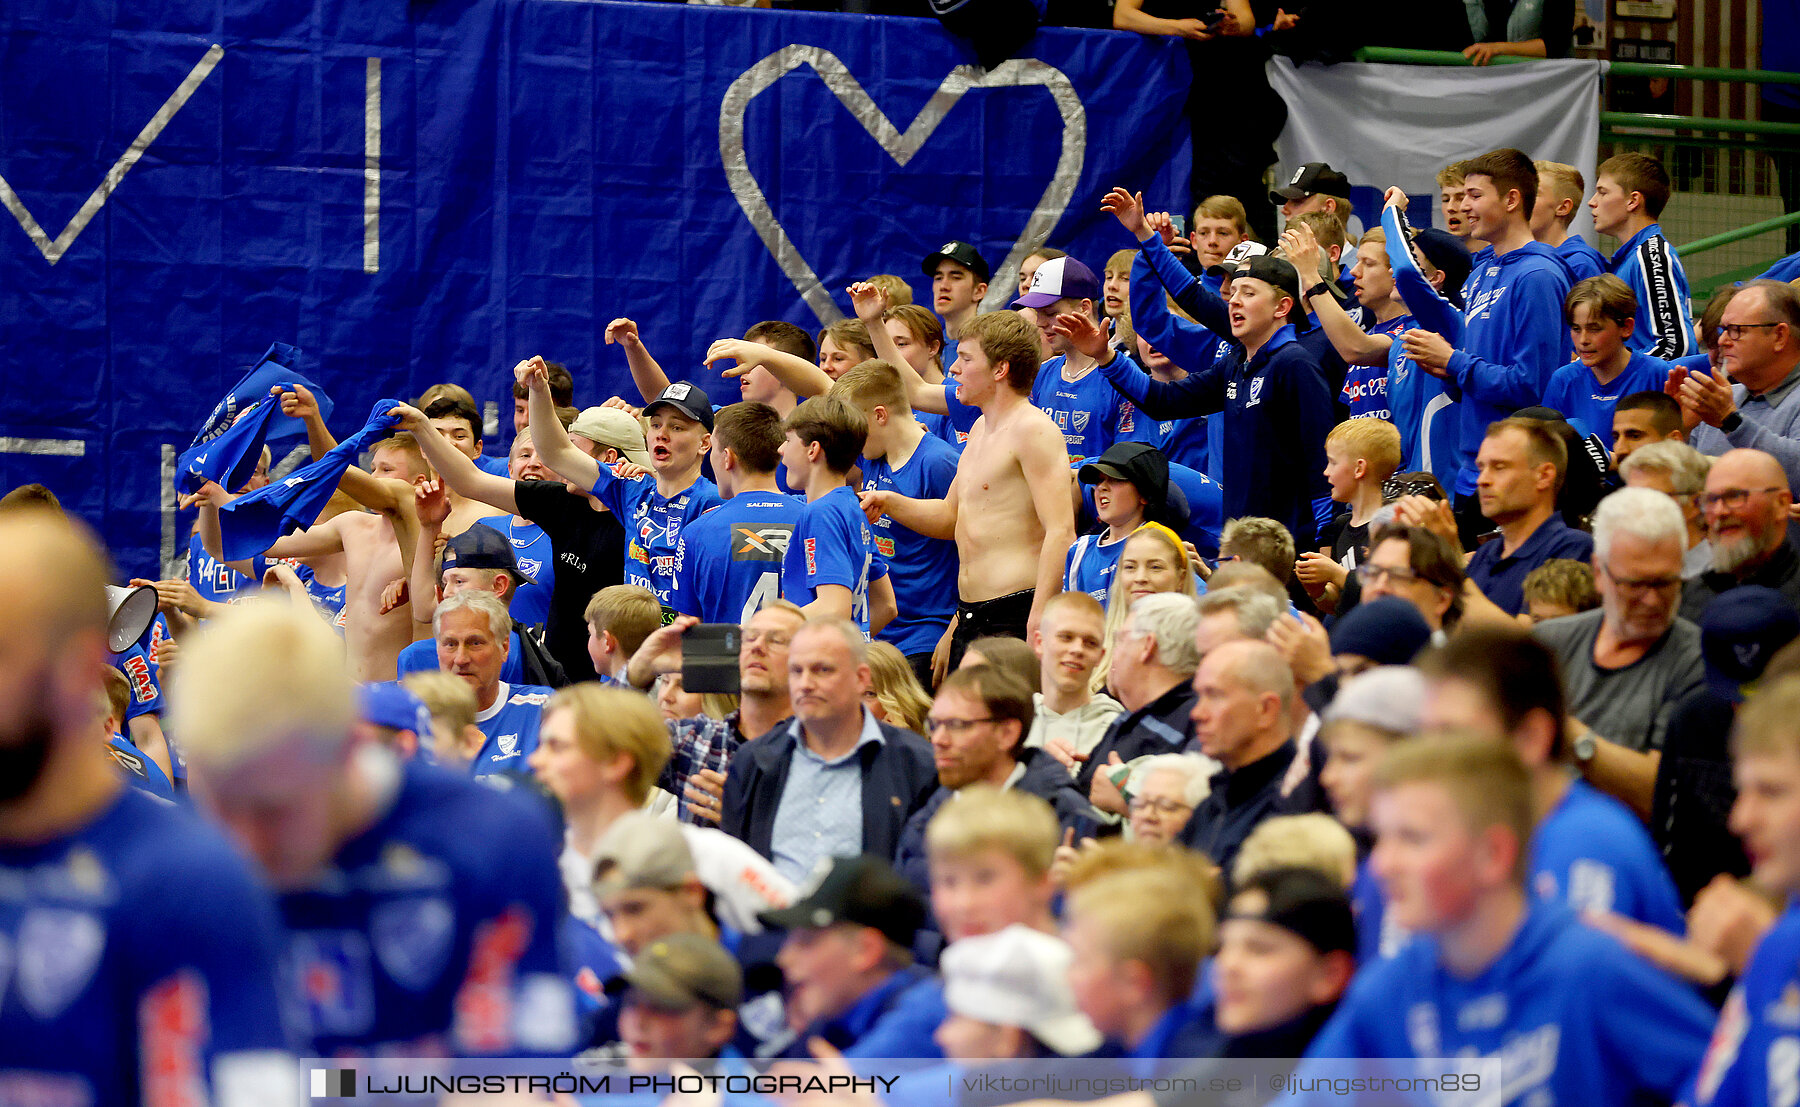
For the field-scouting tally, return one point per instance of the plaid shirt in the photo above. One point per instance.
(700, 742)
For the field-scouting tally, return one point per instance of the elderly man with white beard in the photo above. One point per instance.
(1626, 665)
(1746, 508)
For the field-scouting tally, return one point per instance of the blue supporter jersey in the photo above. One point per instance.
(531, 549)
(1652, 269)
(138, 769)
(1754, 1057)
(1583, 260)
(1424, 412)
(510, 725)
(141, 965)
(653, 526)
(215, 580)
(1588, 405)
(923, 570)
(1574, 1017)
(142, 672)
(436, 932)
(421, 657)
(1593, 854)
(1513, 339)
(327, 599)
(962, 416)
(832, 544)
(1086, 410)
(1091, 564)
(494, 465)
(1180, 440)
(1206, 507)
(728, 561)
(941, 428)
(1365, 386)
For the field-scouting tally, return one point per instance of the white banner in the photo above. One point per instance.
(1383, 125)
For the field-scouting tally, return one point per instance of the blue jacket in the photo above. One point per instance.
(906, 992)
(1189, 345)
(1277, 409)
(1423, 412)
(898, 775)
(1652, 268)
(1583, 260)
(1045, 777)
(1514, 338)
(1748, 1065)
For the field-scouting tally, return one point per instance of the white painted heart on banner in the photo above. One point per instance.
(1018, 73)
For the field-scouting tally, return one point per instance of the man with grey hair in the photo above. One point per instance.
(473, 634)
(1233, 614)
(835, 782)
(1746, 506)
(1243, 715)
(1153, 657)
(1625, 665)
(1678, 471)
(1759, 346)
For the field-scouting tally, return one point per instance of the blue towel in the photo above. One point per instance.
(250, 524)
(274, 367)
(229, 458)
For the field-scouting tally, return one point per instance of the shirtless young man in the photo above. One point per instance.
(373, 542)
(1008, 508)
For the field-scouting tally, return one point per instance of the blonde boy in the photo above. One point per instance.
(1359, 455)
(1559, 195)
(619, 618)
(455, 737)
(990, 852)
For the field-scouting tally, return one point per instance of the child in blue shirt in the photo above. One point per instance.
(827, 568)
(1573, 1015)
(1602, 315)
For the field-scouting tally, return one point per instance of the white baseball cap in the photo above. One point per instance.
(1018, 977)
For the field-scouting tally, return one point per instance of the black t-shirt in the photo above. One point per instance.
(590, 555)
(1694, 795)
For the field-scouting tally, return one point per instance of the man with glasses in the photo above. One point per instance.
(1419, 566)
(1759, 346)
(977, 729)
(702, 746)
(1626, 664)
(1746, 507)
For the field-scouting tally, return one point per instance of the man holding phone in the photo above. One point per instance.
(702, 746)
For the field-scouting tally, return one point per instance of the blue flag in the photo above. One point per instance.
(230, 458)
(250, 524)
(273, 368)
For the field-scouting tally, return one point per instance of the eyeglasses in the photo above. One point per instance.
(1732, 498)
(1160, 806)
(1649, 584)
(1375, 574)
(956, 727)
(1735, 331)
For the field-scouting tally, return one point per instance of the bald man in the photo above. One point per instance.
(145, 951)
(1243, 716)
(1745, 506)
(421, 907)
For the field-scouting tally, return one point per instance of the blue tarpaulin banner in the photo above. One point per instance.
(420, 192)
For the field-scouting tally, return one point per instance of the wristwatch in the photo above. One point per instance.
(1583, 747)
(1321, 287)
(1731, 422)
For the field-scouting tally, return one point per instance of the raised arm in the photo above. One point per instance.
(1045, 461)
(209, 499)
(1187, 344)
(645, 372)
(300, 404)
(1424, 301)
(432, 507)
(799, 376)
(547, 432)
(1353, 344)
(454, 468)
(386, 497)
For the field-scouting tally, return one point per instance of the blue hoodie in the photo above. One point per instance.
(1424, 413)
(1652, 268)
(1514, 338)
(1574, 1017)
(1191, 347)
(1583, 260)
(1751, 1060)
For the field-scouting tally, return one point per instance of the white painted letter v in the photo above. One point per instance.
(53, 251)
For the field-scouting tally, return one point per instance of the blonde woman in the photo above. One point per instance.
(895, 695)
(1153, 560)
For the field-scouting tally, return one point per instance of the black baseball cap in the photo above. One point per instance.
(1281, 276)
(688, 399)
(1313, 177)
(1304, 902)
(863, 890)
(1739, 632)
(1148, 471)
(963, 254)
(482, 547)
(1448, 253)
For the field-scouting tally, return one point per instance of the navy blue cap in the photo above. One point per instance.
(688, 399)
(1387, 630)
(483, 547)
(1739, 632)
(391, 705)
(1448, 253)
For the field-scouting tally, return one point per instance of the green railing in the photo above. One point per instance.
(1634, 125)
